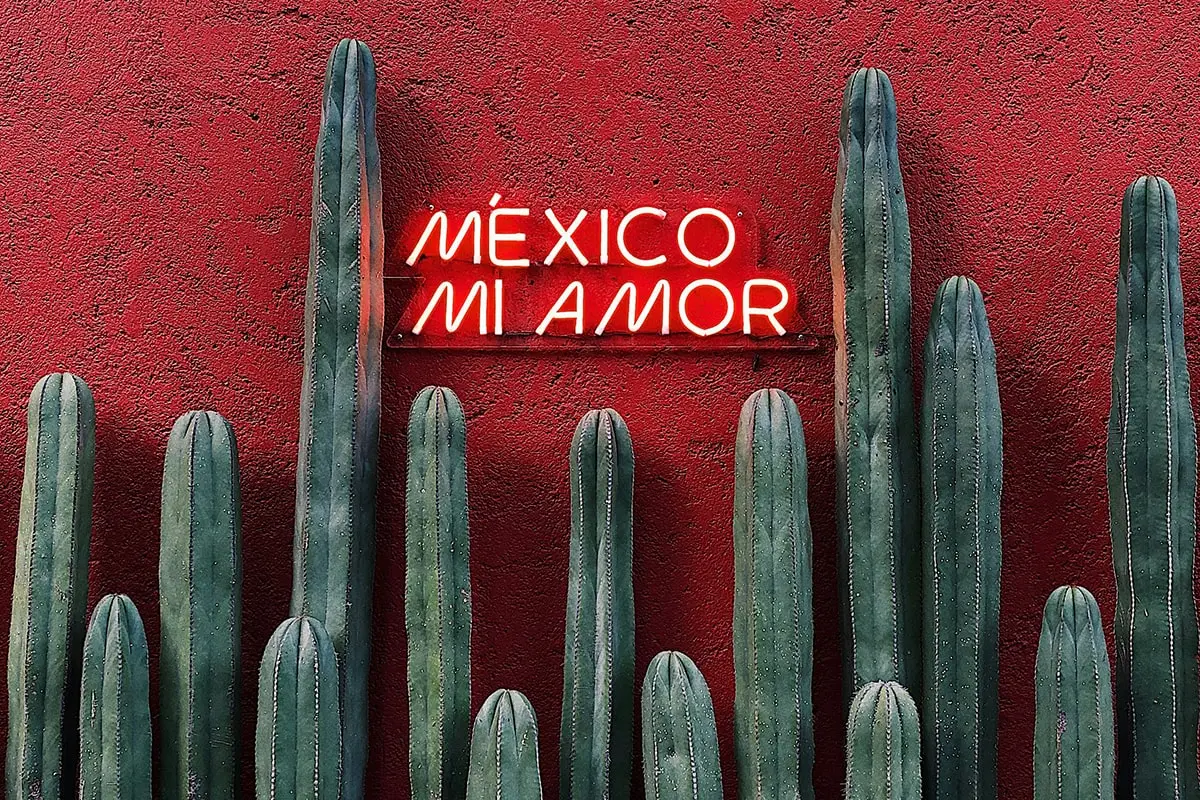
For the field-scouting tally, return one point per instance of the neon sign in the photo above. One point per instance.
(646, 276)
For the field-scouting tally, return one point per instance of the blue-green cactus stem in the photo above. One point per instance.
(595, 750)
(1152, 497)
(875, 442)
(49, 600)
(336, 473)
(437, 597)
(772, 602)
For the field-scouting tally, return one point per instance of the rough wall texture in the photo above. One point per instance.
(154, 202)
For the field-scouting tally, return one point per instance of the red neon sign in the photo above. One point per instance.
(646, 276)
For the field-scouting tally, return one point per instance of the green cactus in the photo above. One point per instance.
(200, 606)
(339, 404)
(114, 710)
(504, 750)
(875, 443)
(1073, 747)
(961, 478)
(597, 712)
(1152, 495)
(772, 602)
(437, 599)
(679, 733)
(297, 744)
(49, 602)
(883, 744)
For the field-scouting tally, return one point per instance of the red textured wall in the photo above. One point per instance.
(154, 210)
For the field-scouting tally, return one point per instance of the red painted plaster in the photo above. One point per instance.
(155, 162)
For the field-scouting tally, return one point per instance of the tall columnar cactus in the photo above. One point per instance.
(772, 602)
(1152, 495)
(1073, 747)
(298, 739)
(680, 760)
(114, 707)
(504, 750)
(339, 403)
(597, 713)
(200, 605)
(49, 602)
(883, 745)
(874, 426)
(961, 478)
(437, 600)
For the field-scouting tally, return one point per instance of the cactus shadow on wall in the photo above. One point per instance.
(939, 240)
(125, 540)
(406, 155)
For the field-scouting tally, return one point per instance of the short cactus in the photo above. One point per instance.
(961, 479)
(679, 733)
(114, 710)
(504, 750)
(49, 601)
(597, 714)
(883, 745)
(772, 602)
(336, 474)
(298, 739)
(875, 443)
(1073, 743)
(437, 604)
(1152, 496)
(200, 605)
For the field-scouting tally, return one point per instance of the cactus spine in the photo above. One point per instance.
(961, 477)
(438, 597)
(114, 711)
(772, 602)
(297, 746)
(49, 600)
(339, 405)
(874, 426)
(1073, 748)
(504, 750)
(200, 605)
(1152, 495)
(679, 733)
(597, 715)
(883, 745)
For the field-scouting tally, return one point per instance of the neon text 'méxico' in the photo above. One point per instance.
(644, 237)
(565, 245)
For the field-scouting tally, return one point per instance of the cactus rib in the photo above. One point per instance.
(438, 597)
(679, 733)
(961, 471)
(1152, 494)
(883, 744)
(49, 600)
(114, 711)
(200, 604)
(298, 747)
(773, 627)
(1073, 746)
(339, 419)
(874, 427)
(504, 750)
(597, 715)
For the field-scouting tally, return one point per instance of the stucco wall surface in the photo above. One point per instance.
(155, 165)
